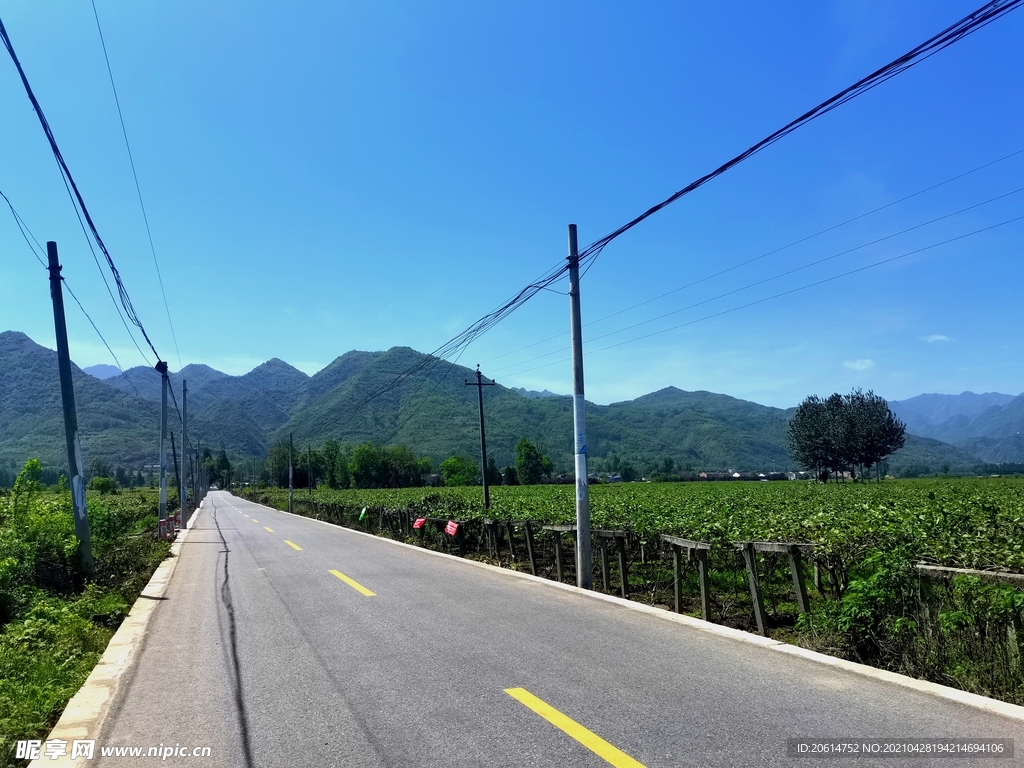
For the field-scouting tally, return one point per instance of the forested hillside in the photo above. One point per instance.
(364, 396)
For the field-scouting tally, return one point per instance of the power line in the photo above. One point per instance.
(23, 228)
(961, 29)
(778, 275)
(99, 268)
(69, 179)
(783, 293)
(116, 361)
(135, 175)
(983, 16)
(26, 232)
(772, 252)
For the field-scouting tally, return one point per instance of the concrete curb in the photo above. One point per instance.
(84, 715)
(985, 703)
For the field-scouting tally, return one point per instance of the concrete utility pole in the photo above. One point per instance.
(309, 469)
(291, 485)
(76, 479)
(177, 476)
(480, 384)
(182, 490)
(161, 366)
(584, 568)
(195, 475)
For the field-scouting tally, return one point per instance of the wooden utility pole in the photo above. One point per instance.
(195, 474)
(177, 479)
(76, 478)
(182, 486)
(161, 366)
(584, 568)
(480, 384)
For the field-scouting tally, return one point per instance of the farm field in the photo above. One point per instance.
(868, 600)
(963, 522)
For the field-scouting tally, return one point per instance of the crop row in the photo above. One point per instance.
(974, 523)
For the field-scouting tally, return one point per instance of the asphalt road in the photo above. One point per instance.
(261, 653)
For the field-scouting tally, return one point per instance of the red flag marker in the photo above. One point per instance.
(420, 522)
(452, 528)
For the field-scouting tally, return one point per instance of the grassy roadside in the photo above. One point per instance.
(54, 624)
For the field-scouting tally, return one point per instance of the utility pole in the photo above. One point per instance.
(480, 384)
(177, 479)
(291, 485)
(195, 475)
(76, 480)
(584, 568)
(161, 366)
(182, 491)
(309, 469)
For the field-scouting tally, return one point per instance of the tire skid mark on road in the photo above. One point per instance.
(584, 736)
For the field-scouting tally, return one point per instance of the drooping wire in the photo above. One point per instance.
(772, 252)
(26, 233)
(983, 16)
(456, 345)
(782, 293)
(69, 179)
(103, 274)
(776, 276)
(135, 175)
(947, 37)
(116, 361)
(970, 23)
(23, 228)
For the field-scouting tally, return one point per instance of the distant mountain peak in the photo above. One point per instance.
(103, 371)
(276, 366)
(533, 394)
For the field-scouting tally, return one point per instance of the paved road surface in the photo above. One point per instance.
(263, 654)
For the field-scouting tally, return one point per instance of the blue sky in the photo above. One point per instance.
(321, 177)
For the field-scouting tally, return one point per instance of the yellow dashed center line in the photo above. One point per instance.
(354, 584)
(268, 529)
(587, 738)
(254, 520)
(293, 546)
(244, 514)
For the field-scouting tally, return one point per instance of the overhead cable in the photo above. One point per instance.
(772, 252)
(983, 16)
(135, 175)
(783, 293)
(69, 179)
(961, 29)
(780, 275)
(26, 233)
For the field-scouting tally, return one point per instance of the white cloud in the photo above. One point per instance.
(936, 337)
(859, 365)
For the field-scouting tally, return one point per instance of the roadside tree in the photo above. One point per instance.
(458, 470)
(844, 433)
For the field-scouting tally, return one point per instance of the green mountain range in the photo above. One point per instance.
(396, 397)
(988, 425)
